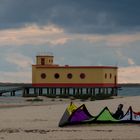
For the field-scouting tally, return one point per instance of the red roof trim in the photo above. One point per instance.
(57, 66)
(73, 85)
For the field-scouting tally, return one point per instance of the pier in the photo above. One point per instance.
(66, 91)
(27, 90)
(12, 88)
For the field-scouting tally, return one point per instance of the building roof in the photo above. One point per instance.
(67, 66)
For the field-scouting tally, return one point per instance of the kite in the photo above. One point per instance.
(80, 115)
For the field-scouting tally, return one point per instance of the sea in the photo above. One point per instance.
(129, 91)
(18, 99)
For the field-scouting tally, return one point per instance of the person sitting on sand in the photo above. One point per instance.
(119, 112)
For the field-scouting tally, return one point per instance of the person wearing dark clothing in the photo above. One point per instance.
(119, 112)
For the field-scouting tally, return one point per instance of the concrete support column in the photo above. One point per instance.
(87, 91)
(25, 92)
(54, 91)
(74, 91)
(61, 91)
(93, 92)
(12, 93)
(90, 91)
(47, 91)
(40, 91)
(99, 91)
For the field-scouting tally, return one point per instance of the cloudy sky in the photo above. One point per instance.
(77, 32)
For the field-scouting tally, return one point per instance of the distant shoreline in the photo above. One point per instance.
(129, 85)
(15, 84)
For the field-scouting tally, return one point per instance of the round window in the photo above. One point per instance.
(82, 75)
(56, 75)
(69, 75)
(43, 75)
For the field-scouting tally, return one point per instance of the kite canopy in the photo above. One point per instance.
(131, 116)
(80, 115)
(67, 114)
(74, 115)
(105, 116)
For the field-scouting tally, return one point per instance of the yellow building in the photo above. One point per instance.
(47, 74)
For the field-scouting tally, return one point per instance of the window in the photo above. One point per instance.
(42, 61)
(56, 75)
(105, 75)
(82, 75)
(43, 75)
(115, 79)
(110, 75)
(69, 75)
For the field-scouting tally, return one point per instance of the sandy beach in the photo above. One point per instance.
(39, 121)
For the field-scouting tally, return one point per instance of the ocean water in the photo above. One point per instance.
(129, 91)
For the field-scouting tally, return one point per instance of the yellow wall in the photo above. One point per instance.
(111, 75)
(93, 75)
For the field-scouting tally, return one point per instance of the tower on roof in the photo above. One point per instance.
(44, 59)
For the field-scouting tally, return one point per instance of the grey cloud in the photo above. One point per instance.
(78, 16)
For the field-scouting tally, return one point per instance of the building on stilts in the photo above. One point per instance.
(52, 79)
